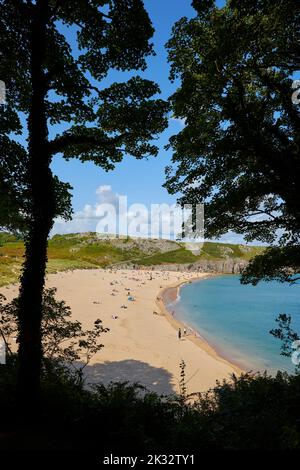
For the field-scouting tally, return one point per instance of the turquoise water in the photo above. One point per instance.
(236, 319)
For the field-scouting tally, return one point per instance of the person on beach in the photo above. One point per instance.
(179, 333)
(184, 332)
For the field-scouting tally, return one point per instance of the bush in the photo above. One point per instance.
(249, 412)
(65, 343)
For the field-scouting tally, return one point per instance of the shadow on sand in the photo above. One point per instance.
(155, 379)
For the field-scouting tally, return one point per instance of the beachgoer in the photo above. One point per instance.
(184, 332)
(179, 333)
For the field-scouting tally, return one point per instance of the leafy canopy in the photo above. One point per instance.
(239, 149)
(99, 124)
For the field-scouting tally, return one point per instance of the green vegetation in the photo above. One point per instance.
(6, 237)
(86, 251)
(180, 255)
(243, 413)
(238, 151)
(65, 342)
(246, 413)
(68, 108)
(213, 250)
(90, 251)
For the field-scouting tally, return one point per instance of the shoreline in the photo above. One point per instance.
(142, 344)
(199, 340)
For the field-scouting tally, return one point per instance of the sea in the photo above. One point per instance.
(236, 319)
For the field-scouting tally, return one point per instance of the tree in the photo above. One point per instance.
(289, 339)
(12, 169)
(53, 83)
(15, 201)
(239, 152)
(65, 343)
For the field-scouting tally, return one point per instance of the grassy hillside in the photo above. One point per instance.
(213, 250)
(84, 251)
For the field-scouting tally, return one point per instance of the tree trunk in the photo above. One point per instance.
(41, 188)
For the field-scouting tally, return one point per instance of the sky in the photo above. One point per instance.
(140, 180)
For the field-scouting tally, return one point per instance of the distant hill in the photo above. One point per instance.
(87, 250)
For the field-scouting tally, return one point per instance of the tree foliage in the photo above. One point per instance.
(65, 342)
(244, 413)
(275, 263)
(289, 339)
(239, 149)
(15, 200)
(101, 124)
(56, 59)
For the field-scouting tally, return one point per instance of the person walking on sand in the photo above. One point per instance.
(179, 333)
(184, 332)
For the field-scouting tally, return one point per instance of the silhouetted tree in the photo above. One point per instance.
(65, 344)
(239, 149)
(52, 82)
(12, 168)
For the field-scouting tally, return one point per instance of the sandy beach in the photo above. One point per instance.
(142, 344)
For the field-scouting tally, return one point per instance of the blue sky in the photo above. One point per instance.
(140, 180)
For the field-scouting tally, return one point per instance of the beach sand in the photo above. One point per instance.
(142, 344)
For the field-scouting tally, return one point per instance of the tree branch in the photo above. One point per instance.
(60, 144)
(285, 97)
(60, 3)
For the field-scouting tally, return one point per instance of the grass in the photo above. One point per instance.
(11, 257)
(213, 250)
(56, 265)
(86, 251)
(6, 237)
(9, 272)
(180, 256)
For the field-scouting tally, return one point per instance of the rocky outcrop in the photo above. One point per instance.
(149, 246)
(226, 266)
(222, 266)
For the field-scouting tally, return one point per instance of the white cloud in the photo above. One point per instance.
(109, 206)
(134, 219)
(103, 189)
(86, 220)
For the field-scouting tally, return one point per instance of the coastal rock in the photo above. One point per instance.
(222, 266)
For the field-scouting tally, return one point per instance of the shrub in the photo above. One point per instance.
(65, 343)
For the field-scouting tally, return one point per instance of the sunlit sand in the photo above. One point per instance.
(142, 344)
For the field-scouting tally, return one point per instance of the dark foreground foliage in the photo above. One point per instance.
(251, 412)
